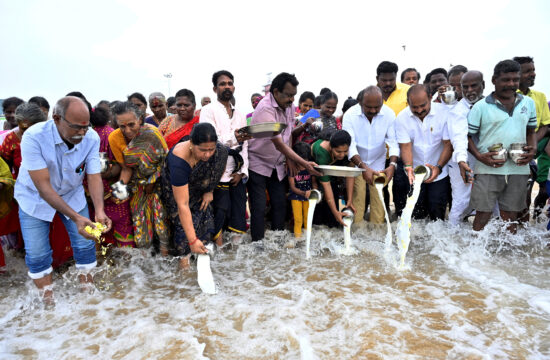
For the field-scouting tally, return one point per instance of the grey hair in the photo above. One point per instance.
(62, 105)
(124, 107)
(157, 95)
(30, 112)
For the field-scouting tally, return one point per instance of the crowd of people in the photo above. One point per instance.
(182, 177)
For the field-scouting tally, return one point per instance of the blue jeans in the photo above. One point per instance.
(37, 244)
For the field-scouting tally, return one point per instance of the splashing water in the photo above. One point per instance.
(402, 234)
(475, 296)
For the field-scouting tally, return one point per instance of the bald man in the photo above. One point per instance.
(56, 156)
(472, 86)
(421, 131)
(371, 126)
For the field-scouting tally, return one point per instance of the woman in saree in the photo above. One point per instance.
(6, 201)
(192, 170)
(122, 233)
(25, 115)
(177, 127)
(140, 149)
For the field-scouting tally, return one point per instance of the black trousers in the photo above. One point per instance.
(256, 185)
(400, 188)
(432, 200)
(230, 207)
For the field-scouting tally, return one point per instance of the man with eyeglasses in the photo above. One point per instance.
(56, 154)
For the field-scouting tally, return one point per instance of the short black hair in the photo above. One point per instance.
(324, 91)
(328, 96)
(303, 150)
(439, 71)
(409, 70)
(217, 75)
(506, 66)
(188, 94)
(12, 101)
(339, 138)
(40, 101)
(428, 77)
(203, 133)
(306, 95)
(138, 96)
(170, 101)
(317, 102)
(523, 59)
(81, 96)
(280, 81)
(254, 95)
(349, 103)
(457, 69)
(386, 67)
(99, 117)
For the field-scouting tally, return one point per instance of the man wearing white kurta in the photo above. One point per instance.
(462, 161)
(421, 131)
(230, 193)
(371, 126)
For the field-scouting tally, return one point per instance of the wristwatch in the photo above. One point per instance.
(394, 164)
(440, 168)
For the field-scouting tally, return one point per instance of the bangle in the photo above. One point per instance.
(193, 242)
(406, 166)
(361, 163)
(394, 164)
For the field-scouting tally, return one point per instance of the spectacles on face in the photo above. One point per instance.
(75, 126)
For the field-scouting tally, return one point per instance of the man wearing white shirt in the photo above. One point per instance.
(371, 126)
(421, 131)
(461, 161)
(230, 194)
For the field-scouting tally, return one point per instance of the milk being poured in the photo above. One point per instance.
(402, 233)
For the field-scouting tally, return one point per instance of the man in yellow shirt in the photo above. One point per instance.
(526, 81)
(395, 97)
(394, 93)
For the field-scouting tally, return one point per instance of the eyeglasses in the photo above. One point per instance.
(76, 127)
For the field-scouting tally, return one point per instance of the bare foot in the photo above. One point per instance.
(163, 251)
(219, 241)
(184, 262)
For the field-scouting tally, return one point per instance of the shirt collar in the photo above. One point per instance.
(223, 106)
(273, 102)
(56, 136)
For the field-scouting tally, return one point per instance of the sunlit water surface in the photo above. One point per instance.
(463, 297)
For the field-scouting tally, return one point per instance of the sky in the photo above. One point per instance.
(110, 49)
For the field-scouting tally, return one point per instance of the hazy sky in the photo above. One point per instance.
(110, 49)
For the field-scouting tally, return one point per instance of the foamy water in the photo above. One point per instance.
(477, 297)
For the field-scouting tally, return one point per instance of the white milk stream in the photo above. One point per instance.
(314, 198)
(402, 234)
(388, 241)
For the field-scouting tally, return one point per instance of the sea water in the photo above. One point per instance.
(467, 296)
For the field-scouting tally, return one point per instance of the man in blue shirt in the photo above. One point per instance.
(504, 117)
(55, 156)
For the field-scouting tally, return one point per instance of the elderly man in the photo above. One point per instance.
(230, 193)
(421, 131)
(526, 82)
(371, 127)
(56, 156)
(504, 117)
(267, 156)
(472, 86)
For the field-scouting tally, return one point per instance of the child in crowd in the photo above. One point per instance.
(300, 189)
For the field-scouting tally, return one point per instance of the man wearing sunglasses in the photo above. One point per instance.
(55, 156)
